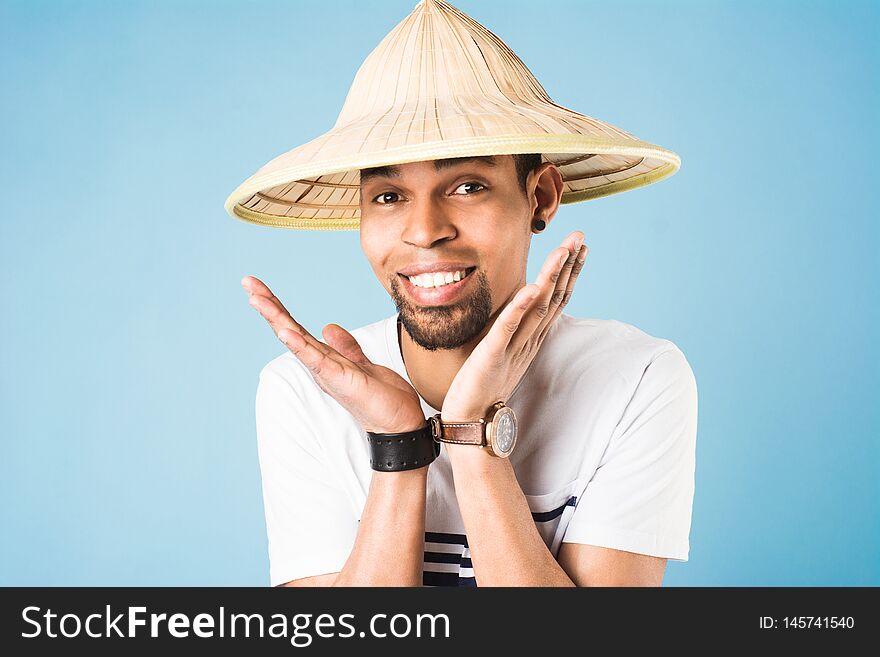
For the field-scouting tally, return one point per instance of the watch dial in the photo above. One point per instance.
(505, 433)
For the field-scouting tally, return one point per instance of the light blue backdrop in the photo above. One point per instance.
(129, 355)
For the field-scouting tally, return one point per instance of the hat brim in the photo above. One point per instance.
(272, 196)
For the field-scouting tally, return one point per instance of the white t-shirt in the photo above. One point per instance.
(605, 453)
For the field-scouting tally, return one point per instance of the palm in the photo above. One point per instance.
(501, 358)
(478, 378)
(379, 398)
(391, 398)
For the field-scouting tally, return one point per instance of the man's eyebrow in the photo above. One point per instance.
(450, 162)
(439, 165)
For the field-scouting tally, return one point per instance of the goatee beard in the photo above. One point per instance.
(445, 327)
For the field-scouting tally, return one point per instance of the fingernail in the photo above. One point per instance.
(583, 257)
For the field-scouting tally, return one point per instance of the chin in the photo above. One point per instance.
(445, 327)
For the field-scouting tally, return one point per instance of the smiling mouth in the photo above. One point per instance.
(438, 280)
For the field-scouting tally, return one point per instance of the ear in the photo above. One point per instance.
(545, 186)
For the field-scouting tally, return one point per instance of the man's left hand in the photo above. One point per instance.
(502, 357)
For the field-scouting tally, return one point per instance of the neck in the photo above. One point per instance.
(431, 372)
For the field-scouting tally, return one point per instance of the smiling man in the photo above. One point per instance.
(478, 436)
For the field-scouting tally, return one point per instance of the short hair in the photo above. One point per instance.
(525, 164)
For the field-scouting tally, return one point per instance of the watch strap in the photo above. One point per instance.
(461, 433)
(397, 452)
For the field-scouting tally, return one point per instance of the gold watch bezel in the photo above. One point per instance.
(497, 408)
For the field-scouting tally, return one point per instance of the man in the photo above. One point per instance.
(567, 444)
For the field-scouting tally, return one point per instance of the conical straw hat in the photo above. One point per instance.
(441, 85)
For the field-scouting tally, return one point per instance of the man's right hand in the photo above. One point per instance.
(378, 398)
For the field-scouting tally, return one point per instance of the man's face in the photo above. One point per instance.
(467, 217)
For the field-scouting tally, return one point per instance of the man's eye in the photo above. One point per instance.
(383, 195)
(470, 183)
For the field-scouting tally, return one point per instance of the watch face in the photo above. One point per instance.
(504, 436)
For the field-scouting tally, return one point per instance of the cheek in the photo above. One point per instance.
(509, 265)
(376, 249)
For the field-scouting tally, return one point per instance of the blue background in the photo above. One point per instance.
(129, 354)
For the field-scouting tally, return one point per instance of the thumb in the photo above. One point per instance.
(344, 342)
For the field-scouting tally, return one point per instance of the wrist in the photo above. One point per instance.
(404, 426)
(473, 457)
(463, 415)
(401, 480)
(413, 449)
(490, 434)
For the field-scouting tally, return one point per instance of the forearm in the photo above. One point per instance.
(506, 548)
(393, 523)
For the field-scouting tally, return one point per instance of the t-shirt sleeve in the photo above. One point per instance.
(641, 495)
(310, 524)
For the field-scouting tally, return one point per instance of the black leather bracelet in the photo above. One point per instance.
(396, 452)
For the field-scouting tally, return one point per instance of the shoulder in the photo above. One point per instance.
(611, 348)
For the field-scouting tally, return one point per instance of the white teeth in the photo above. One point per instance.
(436, 279)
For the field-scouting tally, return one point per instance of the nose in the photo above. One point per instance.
(426, 224)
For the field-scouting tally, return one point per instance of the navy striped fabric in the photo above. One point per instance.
(446, 579)
(445, 562)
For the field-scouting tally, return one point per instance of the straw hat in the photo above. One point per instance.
(441, 85)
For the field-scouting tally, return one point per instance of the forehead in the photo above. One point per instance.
(439, 165)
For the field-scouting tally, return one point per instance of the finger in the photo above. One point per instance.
(562, 281)
(274, 312)
(248, 283)
(344, 342)
(548, 279)
(253, 285)
(256, 289)
(509, 320)
(332, 371)
(569, 289)
(326, 369)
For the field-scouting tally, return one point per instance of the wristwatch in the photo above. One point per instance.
(496, 432)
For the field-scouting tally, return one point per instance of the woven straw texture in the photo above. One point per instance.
(441, 85)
